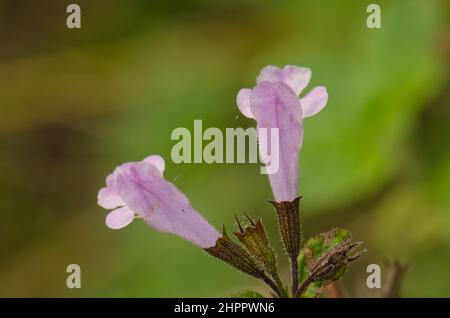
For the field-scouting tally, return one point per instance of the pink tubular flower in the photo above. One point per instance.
(138, 189)
(274, 103)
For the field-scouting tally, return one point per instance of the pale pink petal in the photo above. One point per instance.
(314, 101)
(110, 179)
(107, 198)
(271, 74)
(274, 103)
(119, 218)
(276, 106)
(243, 102)
(157, 161)
(297, 78)
(162, 205)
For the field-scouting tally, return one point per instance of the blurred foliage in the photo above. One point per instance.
(76, 103)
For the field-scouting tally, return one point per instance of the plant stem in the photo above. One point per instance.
(395, 275)
(303, 287)
(294, 266)
(279, 283)
(272, 285)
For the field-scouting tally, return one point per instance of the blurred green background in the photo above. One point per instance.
(76, 103)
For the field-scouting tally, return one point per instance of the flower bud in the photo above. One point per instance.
(331, 265)
(257, 244)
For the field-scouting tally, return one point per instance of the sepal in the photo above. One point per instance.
(231, 253)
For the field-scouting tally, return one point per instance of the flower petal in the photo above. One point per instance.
(162, 205)
(297, 78)
(270, 73)
(119, 218)
(276, 106)
(109, 199)
(187, 223)
(157, 161)
(314, 101)
(110, 179)
(243, 102)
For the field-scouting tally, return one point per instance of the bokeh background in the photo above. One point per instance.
(76, 103)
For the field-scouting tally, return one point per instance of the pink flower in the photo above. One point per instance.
(138, 189)
(274, 103)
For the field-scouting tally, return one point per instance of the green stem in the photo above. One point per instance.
(272, 285)
(279, 284)
(294, 266)
(303, 287)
